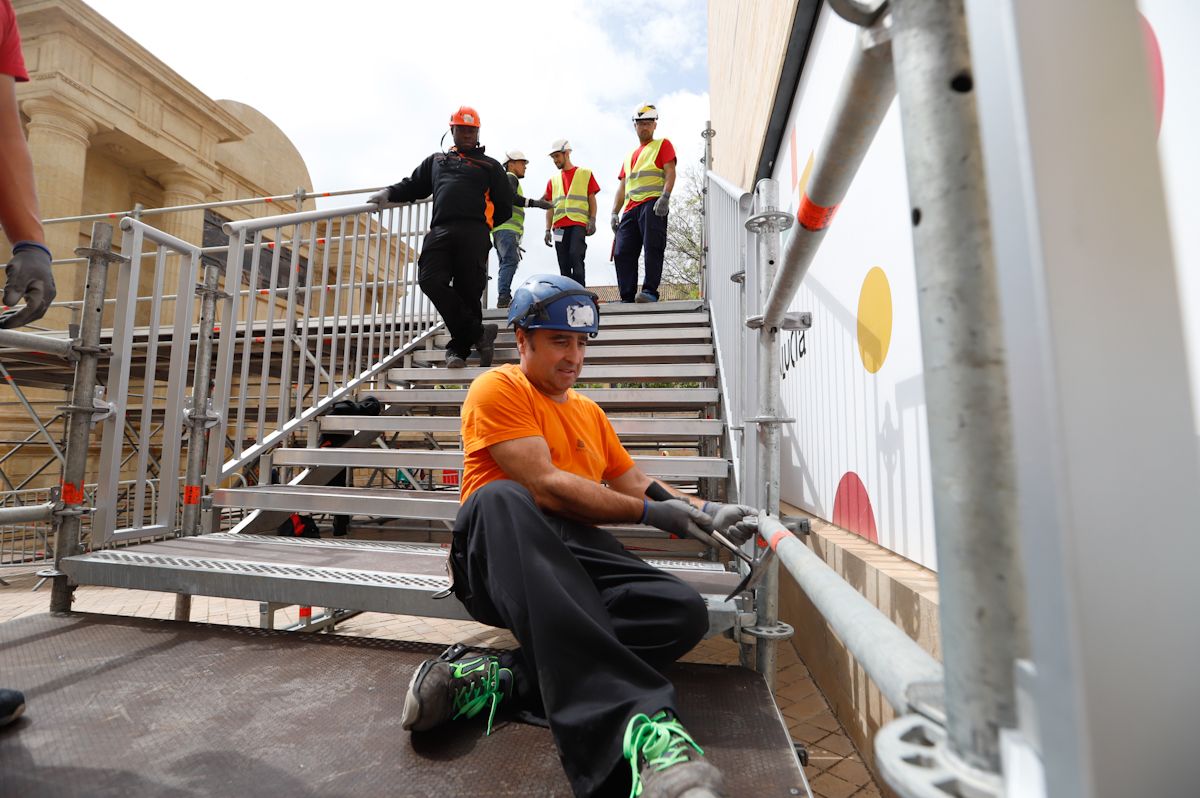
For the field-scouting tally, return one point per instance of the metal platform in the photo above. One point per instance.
(399, 578)
(138, 708)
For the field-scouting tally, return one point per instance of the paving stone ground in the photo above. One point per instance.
(835, 768)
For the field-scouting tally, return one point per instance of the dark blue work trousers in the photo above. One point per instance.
(640, 229)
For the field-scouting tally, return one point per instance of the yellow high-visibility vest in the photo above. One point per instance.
(516, 222)
(644, 180)
(573, 203)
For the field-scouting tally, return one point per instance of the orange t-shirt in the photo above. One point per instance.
(502, 405)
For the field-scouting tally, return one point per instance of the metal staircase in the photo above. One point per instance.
(652, 368)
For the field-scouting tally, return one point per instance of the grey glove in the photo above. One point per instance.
(29, 276)
(616, 221)
(679, 518)
(540, 203)
(380, 199)
(738, 522)
(549, 239)
(591, 226)
(662, 205)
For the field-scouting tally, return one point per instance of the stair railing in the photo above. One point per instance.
(329, 314)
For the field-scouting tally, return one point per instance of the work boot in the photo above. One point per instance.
(486, 345)
(454, 361)
(443, 689)
(12, 704)
(503, 301)
(645, 296)
(666, 762)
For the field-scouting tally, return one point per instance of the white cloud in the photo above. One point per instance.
(364, 89)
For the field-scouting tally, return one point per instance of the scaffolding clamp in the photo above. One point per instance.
(206, 420)
(792, 320)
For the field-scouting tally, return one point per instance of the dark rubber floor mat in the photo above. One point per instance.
(135, 707)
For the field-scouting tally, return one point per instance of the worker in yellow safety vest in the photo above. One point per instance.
(647, 177)
(507, 237)
(572, 192)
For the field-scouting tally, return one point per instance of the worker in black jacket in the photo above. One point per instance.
(471, 195)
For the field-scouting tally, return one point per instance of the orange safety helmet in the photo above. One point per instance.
(465, 115)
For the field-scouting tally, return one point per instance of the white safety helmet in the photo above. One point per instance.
(515, 155)
(647, 111)
(560, 145)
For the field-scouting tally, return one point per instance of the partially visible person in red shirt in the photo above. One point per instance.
(28, 271)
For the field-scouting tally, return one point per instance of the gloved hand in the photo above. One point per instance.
(540, 203)
(549, 239)
(679, 518)
(29, 276)
(380, 199)
(662, 205)
(738, 522)
(616, 221)
(591, 226)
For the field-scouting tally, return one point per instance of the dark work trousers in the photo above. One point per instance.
(571, 251)
(639, 228)
(452, 271)
(596, 625)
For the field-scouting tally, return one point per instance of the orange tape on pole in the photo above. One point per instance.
(778, 536)
(191, 494)
(814, 217)
(72, 492)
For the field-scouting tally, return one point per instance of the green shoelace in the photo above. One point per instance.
(661, 740)
(482, 689)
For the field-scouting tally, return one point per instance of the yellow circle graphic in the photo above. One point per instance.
(874, 320)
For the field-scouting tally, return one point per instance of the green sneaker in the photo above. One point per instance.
(665, 761)
(444, 689)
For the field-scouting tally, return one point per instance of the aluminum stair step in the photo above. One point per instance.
(399, 578)
(655, 466)
(607, 337)
(626, 428)
(607, 398)
(649, 372)
(649, 321)
(376, 502)
(650, 351)
(419, 505)
(624, 309)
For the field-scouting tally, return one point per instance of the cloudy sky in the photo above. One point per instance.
(364, 89)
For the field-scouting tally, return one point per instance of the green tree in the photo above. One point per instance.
(681, 263)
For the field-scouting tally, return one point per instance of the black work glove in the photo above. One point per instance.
(29, 276)
(591, 226)
(540, 203)
(679, 518)
(549, 239)
(616, 221)
(737, 522)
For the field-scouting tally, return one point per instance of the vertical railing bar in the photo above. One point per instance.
(288, 336)
(264, 379)
(177, 388)
(239, 432)
(346, 367)
(149, 379)
(226, 351)
(335, 335)
(321, 313)
(359, 364)
(302, 366)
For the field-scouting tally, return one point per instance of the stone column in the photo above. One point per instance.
(58, 141)
(181, 186)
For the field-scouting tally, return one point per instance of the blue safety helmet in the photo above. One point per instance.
(554, 302)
